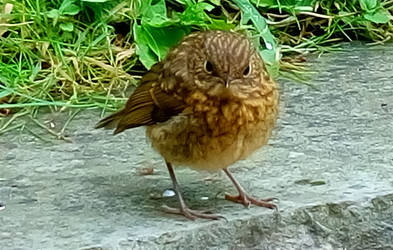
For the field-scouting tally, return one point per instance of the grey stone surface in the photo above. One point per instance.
(330, 163)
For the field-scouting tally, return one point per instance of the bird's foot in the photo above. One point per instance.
(192, 214)
(246, 200)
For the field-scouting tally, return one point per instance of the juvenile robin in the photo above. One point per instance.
(208, 104)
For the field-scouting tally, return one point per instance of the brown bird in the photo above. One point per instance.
(208, 104)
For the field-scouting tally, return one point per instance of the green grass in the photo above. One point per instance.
(84, 53)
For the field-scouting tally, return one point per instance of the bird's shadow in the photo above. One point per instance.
(143, 195)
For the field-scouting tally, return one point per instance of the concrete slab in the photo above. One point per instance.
(330, 163)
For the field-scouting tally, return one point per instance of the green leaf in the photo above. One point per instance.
(146, 55)
(219, 24)
(68, 7)
(95, 1)
(309, 3)
(184, 2)
(156, 15)
(264, 3)
(162, 39)
(289, 6)
(141, 7)
(249, 12)
(368, 5)
(67, 26)
(195, 14)
(187, 2)
(346, 17)
(71, 10)
(379, 16)
(54, 14)
(149, 40)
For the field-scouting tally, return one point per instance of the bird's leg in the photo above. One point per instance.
(244, 198)
(184, 210)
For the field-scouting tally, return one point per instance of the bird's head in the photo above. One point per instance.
(219, 63)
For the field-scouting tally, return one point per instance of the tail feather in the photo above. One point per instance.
(110, 122)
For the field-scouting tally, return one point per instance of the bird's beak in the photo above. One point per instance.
(229, 79)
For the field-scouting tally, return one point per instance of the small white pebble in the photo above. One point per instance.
(169, 193)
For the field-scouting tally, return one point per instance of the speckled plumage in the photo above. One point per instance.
(210, 103)
(212, 133)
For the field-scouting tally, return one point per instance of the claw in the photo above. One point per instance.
(192, 214)
(246, 200)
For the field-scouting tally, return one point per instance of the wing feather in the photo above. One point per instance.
(147, 105)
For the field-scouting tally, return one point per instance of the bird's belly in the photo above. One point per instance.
(188, 140)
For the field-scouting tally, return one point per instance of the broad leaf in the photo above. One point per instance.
(250, 13)
(156, 15)
(218, 24)
(368, 5)
(264, 3)
(54, 14)
(379, 16)
(68, 7)
(67, 26)
(160, 40)
(146, 55)
(195, 14)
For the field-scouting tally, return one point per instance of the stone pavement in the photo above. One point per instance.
(330, 163)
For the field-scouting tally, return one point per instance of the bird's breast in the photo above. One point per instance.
(230, 115)
(213, 133)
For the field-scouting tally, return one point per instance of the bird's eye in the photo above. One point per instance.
(208, 67)
(247, 71)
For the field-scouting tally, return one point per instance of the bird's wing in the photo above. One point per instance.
(147, 105)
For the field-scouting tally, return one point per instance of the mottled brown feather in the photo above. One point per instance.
(193, 117)
(147, 105)
(208, 104)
